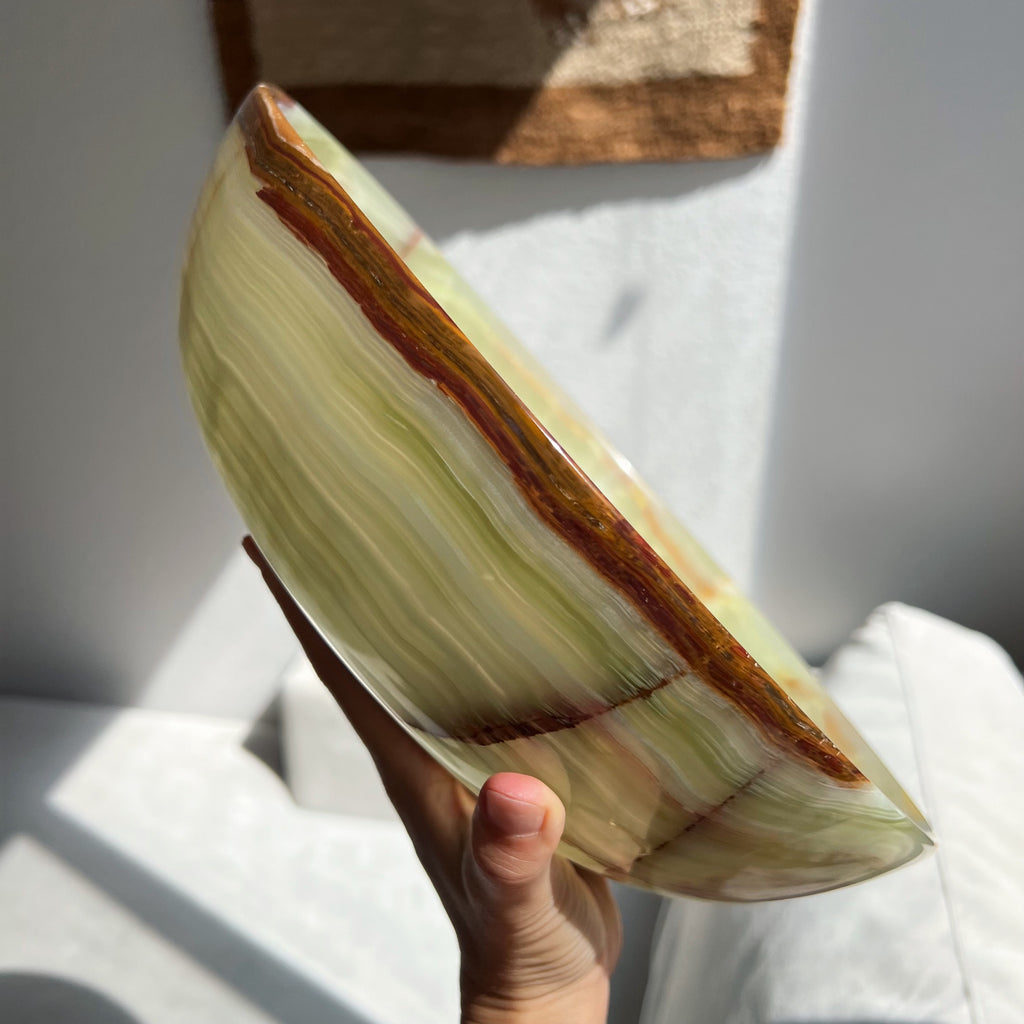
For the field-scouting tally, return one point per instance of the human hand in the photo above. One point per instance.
(538, 936)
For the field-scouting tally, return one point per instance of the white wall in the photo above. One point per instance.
(114, 523)
(658, 295)
(653, 292)
(898, 453)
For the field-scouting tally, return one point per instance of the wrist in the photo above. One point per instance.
(588, 1005)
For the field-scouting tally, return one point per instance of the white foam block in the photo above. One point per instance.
(326, 765)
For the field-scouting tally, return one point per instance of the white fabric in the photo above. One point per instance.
(326, 766)
(151, 858)
(941, 941)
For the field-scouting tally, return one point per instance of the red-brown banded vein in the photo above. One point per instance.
(707, 815)
(314, 208)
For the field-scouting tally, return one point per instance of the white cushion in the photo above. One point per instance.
(941, 941)
(326, 766)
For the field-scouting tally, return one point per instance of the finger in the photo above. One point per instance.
(403, 765)
(516, 828)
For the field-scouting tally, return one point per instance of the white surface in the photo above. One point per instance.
(154, 859)
(58, 925)
(941, 941)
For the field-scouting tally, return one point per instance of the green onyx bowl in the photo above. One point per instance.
(488, 566)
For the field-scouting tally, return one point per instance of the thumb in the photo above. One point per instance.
(524, 946)
(517, 825)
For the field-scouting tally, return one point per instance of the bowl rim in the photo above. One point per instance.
(314, 206)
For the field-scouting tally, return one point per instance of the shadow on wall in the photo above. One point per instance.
(447, 198)
(896, 468)
(369, 116)
(42, 997)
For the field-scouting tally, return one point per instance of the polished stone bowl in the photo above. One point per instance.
(484, 561)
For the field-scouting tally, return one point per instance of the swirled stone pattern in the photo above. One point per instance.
(489, 567)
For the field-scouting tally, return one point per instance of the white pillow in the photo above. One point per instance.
(941, 941)
(326, 766)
